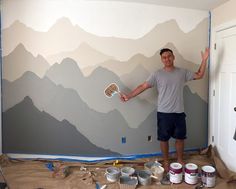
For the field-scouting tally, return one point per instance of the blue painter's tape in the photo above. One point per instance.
(97, 186)
(50, 166)
(101, 159)
(123, 140)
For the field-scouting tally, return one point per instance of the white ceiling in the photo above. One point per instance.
(191, 4)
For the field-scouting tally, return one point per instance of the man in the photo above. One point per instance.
(170, 81)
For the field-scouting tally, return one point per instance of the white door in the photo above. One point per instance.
(225, 95)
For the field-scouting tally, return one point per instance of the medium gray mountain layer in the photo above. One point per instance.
(91, 90)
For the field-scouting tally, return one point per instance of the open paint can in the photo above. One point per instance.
(157, 172)
(144, 177)
(176, 173)
(208, 176)
(148, 165)
(191, 173)
(112, 174)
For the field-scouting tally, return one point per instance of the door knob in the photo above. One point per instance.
(235, 109)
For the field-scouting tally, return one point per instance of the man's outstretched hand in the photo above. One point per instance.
(205, 54)
(123, 97)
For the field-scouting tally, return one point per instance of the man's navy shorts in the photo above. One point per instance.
(171, 125)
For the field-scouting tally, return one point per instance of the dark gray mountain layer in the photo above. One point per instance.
(37, 132)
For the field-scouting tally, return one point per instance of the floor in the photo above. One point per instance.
(45, 174)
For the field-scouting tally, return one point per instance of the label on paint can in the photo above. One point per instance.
(176, 173)
(208, 176)
(191, 173)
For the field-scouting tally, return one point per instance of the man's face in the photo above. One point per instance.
(167, 58)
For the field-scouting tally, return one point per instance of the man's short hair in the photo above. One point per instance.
(165, 50)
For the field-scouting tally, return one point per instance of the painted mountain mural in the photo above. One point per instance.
(91, 51)
(103, 129)
(91, 90)
(53, 89)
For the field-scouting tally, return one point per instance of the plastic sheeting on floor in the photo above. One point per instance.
(45, 174)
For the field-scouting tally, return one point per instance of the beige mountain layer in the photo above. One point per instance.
(19, 61)
(83, 55)
(63, 36)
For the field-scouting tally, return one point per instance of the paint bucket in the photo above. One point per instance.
(158, 172)
(144, 177)
(208, 176)
(176, 173)
(191, 173)
(127, 171)
(150, 164)
(112, 174)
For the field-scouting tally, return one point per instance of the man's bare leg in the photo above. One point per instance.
(179, 145)
(165, 151)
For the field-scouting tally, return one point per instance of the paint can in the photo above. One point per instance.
(176, 173)
(208, 176)
(144, 177)
(158, 172)
(112, 174)
(148, 165)
(191, 173)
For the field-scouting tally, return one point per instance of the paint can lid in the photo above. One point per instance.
(208, 169)
(176, 167)
(191, 166)
(112, 170)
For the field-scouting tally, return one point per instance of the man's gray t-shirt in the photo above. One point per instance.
(170, 87)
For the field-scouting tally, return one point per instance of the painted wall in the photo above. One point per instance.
(0, 82)
(223, 13)
(58, 57)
